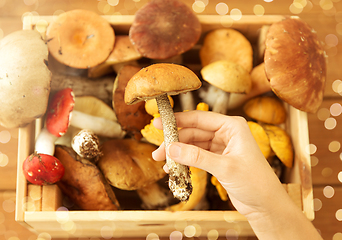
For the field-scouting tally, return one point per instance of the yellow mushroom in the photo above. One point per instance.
(221, 190)
(281, 143)
(261, 138)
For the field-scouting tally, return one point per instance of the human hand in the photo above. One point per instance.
(224, 146)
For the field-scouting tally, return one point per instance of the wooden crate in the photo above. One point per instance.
(140, 223)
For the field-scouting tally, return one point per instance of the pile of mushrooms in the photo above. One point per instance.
(100, 91)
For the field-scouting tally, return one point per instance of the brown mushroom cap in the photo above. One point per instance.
(158, 79)
(295, 64)
(228, 76)
(162, 29)
(227, 44)
(24, 78)
(80, 38)
(132, 118)
(128, 164)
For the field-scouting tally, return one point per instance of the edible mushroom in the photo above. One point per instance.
(157, 81)
(295, 64)
(80, 38)
(163, 29)
(24, 78)
(225, 77)
(62, 114)
(86, 144)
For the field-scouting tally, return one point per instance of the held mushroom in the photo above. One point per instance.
(62, 114)
(163, 29)
(157, 81)
(80, 38)
(24, 78)
(295, 64)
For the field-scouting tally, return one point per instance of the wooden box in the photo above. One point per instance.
(142, 223)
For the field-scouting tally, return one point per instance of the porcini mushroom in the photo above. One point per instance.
(225, 77)
(24, 78)
(295, 64)
(157, 81)
(163, 29)
(86, 144)
(61, 114)
(80, 38)
(227, 44)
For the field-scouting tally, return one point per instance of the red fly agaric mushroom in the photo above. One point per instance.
(163, 29)
(24, 78)
(61, 114)
(157, 81)
(295, 64)
(80, 38)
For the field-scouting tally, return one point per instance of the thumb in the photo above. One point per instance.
(194, 156)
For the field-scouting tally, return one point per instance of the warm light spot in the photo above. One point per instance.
(330, 123)
(68, 226)
(311, 149)
(328, 191)
(3, 160)
(152, 236)
(30, 2)
(236, 14)
(232, 234)
(339, 176)
(5, 136)
(268, 0)
(258, 10)
(103, 7)
(222, 8)
(198, 6)
(314, 161)
(198, 229)
(337, 84)
(317, 204)
(326, 172)
(226, 21)
(107, 232)
(331, 40)
(337, 236)
(335, 109)
(176, 235)
(302, 3)
(113, 3)
(326, 4)
(338, 215)
(189, 231)
(62, 215)
(296, 8)
(180, 225)
(323, 114)
(8, 205)
(44, 236)
(334, 146)
(213, 234)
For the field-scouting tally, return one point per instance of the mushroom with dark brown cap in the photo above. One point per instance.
(157, 81)
(80, 38)
(295, 64)
(163, 29)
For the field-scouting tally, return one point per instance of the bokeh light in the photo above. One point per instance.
(330, 123)
(213, 234)
(314, 161)
(190, 231)
(236, 14)
(326, 4)
(3, 160)
(327, 172)
(311, 149)
(222, 8)
(113, 2)
(317, 204)
(152, 236)
(258, 10)
(335, 109)
(198, 6)
(323, 114)
(334, 146)
(337, 236)
(331, 40)
(339, 176)
(328, 191)
(176, 235)
(338, 215)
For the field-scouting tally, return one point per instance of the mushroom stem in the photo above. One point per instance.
(222, 102)
(100, 126)
(179, 175)
(45, 142)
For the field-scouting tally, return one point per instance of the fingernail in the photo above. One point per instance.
(174, 150)
(153, 153)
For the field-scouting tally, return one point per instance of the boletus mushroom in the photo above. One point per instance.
(24, 78)
(163, 29)
(295, 64)
(80, 38)
(157, 81)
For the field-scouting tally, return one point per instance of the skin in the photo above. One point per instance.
(224, 146)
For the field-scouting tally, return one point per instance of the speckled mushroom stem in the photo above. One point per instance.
(179, 175)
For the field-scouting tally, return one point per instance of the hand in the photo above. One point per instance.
(224, 146)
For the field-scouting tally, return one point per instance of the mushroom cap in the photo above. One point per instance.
(80, 38)
(227, 44)
(228, 76)
(295, 64)
(158, 79)
(266, 109)
(59, 110)
(162, 29)
(128, 164)
(132, 118)
(261, 138)
(24, 78)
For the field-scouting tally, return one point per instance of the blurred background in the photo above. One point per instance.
(325, 126)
